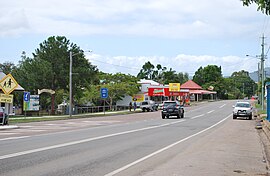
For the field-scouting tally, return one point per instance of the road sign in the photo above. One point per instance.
(104, 93)
(26, 96)
(8, 84)
(6, 98)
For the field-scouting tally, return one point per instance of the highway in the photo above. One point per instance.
(205, 142)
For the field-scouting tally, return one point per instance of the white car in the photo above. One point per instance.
(148, 106)
(242, 109)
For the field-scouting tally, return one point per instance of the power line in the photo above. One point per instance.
(132, 68)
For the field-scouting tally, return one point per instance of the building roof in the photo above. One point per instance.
(150, 82)
(191, 85)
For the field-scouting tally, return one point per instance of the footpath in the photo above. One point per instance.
(58, 117)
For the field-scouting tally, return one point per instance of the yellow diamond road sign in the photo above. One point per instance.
(8, 84)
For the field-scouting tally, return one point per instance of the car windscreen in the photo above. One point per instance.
(169, 104)
(243, 105)
(144, 103)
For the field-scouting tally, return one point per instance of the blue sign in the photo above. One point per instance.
(104, 93)
(26, 96)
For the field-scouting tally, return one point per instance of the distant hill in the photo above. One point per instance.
(254, 75)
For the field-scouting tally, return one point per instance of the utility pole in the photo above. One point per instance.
(262, 72)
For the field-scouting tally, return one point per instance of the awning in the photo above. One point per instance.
(201, 92)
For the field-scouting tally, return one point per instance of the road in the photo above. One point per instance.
(206, 142)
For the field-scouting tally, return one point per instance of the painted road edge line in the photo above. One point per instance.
(163, 149)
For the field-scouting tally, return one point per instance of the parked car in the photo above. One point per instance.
(242, 109)
(3, 117)
(148, 105)
(172, 108)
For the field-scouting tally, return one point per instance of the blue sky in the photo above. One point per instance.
(179, 34)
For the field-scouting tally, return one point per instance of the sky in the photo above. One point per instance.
(124, 34)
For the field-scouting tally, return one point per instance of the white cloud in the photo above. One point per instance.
(159, 18)
(179, 63)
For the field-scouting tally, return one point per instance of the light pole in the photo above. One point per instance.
(70, 80)
(261, 72)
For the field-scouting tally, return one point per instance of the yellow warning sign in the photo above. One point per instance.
(6, 98)
(8, 84)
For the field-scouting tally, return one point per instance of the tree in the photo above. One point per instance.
(147, 71)
(263, 5)
(161, 74)
(119, 85)
(7, 67)
(49, 68)
(210, 73)
(243, 83)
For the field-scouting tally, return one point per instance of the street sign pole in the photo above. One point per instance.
(104, 95)
(104, 106)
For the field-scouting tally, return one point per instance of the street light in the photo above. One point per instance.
(262, 57)
(70, 80)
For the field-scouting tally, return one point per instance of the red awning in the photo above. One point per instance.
(165, 92)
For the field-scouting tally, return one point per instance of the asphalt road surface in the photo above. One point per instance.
(207, 141)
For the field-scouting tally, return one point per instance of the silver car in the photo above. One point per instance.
(242, 109)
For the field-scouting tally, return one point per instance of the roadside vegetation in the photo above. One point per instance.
(48, 68)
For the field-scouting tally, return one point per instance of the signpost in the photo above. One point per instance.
(8, 84)
(104, 95)
(31, 102)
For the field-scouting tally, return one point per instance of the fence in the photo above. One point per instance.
(92, 109)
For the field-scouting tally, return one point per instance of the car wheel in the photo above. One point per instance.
(182, 115)
(163, 116)
(234, 116)
(143, 109)
(250, 117)
(178, 116)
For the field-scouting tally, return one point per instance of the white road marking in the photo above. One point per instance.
(12, 138)
(222, 106)
(210, 111)
(163, 149)
(4, 133)
(197, 116)
(83, 141)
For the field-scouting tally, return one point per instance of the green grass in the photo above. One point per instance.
(259, 109)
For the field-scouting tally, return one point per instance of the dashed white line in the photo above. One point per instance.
(163, 149)
(222, 106)
(13, 138)
(210, 111)
(83, 141)
(197, 116)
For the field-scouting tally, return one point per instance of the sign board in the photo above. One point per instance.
(32, 104)
(6, 98)
(138, 97)
(104, 93)
(26, 96)
(8, 84)
(174, 87)
(158, 92)
(165, 92)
